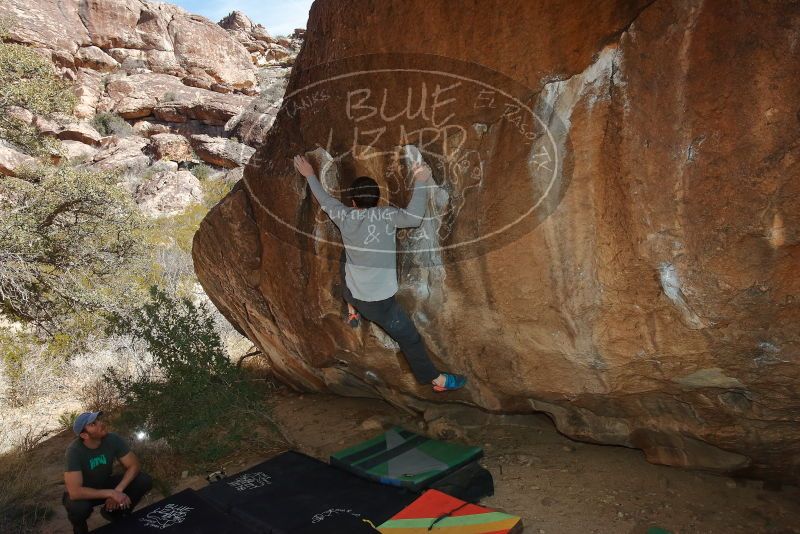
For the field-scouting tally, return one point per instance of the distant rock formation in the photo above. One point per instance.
(653, 302)
(132, 35)
(162, 69)
(255, 38)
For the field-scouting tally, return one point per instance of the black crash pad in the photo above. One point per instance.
(296, 494)
(185, 512)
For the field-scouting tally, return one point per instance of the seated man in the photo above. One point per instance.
(88, 478)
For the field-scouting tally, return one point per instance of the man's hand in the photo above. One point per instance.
(421, 172)
(118, 500)
(303, 166)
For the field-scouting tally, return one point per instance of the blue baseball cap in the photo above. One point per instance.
(84, 419)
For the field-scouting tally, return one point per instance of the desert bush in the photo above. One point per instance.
(176, 269)
(214, 191)
(27, 80)
(70, 240)
(32, 437)
(30, 369)
(22, 509)
(67, 419)
(202, 171)
(111, 124)
(193, 396)
(100, 394)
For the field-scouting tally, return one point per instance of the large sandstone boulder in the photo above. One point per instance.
(88, 90)
(220, 151)
(172, 147)
(77, 151)
(237, 21)
(168, 193)
(649, 299)
(53, 25)
(254, 37)
(11, 159)
(166, 98)
(80, 131)
(122, 153)
(92, 57)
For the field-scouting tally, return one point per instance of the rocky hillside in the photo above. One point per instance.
(615, 236)
(159, 90)
(174, 103)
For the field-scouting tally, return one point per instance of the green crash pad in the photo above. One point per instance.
(402, 458)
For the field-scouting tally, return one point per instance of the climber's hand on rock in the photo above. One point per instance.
(303, 166)
(421, 172)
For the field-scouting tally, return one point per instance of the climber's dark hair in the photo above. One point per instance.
(365, 192)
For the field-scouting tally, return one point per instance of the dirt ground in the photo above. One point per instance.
(558, 486)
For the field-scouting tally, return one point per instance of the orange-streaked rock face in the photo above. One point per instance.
(651, 300)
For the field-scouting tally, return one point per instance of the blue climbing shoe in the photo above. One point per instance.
(451, 382)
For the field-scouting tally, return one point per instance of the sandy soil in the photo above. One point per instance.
(556, 485)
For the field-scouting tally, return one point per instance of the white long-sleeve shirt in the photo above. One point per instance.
(369, 239)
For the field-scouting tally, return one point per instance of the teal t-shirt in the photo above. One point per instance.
(97, 464)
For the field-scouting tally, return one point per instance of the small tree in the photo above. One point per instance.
(193, 396)
(70, 241)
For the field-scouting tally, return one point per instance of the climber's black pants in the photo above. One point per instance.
(390, 316)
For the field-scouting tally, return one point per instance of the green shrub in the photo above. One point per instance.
(70, 242)
(202, 171)
(67, 419)
(111, 124)
(214, 191)
(193, 397)
(27, 81)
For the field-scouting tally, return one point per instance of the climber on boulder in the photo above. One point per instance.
(368, 232)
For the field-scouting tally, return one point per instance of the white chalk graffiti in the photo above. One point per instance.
(379, 116)
(248, 481)
(322, 516)
(166, 516)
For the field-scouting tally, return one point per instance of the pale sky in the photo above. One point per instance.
(279, 17)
